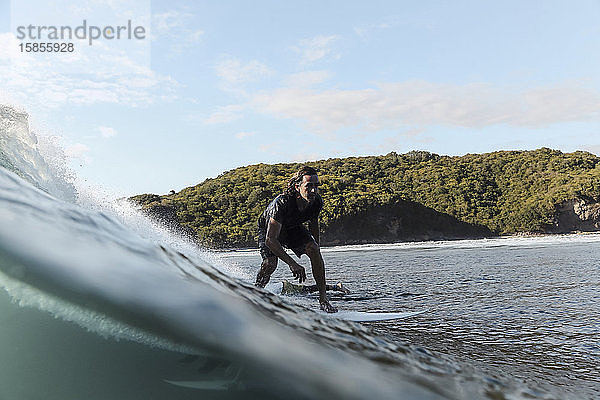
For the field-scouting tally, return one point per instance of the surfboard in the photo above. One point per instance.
(365, 316)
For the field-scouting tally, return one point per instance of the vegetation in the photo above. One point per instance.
(507, 191)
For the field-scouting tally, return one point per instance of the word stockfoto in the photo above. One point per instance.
(83, 31)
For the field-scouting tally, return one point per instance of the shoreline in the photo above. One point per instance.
(426, 242)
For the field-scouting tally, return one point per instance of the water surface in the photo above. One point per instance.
(524, 309)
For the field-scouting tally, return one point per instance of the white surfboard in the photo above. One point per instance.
(362, 316)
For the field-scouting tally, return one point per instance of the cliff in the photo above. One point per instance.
(577, 215)
(403, 221)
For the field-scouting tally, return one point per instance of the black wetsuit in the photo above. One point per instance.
(293, 235)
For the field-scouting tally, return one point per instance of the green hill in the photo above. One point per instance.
(505, 191)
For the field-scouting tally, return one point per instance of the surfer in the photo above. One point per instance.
(281, 224)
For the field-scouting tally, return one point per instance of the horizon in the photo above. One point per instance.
(213, 87)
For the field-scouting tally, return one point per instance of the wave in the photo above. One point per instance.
(88, 259)
(37, 159)
(98, 302)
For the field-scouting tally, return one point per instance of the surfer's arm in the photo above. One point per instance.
(313, 227)
(273, 229)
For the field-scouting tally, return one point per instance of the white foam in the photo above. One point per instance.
(123, 210)
(40, 160)
(505, 241)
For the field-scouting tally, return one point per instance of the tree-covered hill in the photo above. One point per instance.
(505, 191)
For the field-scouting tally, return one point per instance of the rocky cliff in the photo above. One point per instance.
(400, 222)
(577, 215)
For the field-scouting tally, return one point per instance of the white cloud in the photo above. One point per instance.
(235, 72)
(317, 48)
(392, 105)
(107, 132)
(242, 135)
(49, 80)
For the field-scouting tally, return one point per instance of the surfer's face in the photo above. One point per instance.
(309, 187)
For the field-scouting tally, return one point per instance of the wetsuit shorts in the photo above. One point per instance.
(294, 238)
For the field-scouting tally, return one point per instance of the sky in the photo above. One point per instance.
(216, 85)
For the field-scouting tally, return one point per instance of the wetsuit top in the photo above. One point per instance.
(284, 210)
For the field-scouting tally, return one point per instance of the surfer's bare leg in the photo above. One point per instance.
(313, 251)
(268, 266)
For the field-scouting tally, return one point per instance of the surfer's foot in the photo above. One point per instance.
(341, 288)
(327, 307)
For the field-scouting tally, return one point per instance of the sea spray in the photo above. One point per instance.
(40, 161)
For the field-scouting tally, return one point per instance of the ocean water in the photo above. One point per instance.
(516, 309)
(97, 302)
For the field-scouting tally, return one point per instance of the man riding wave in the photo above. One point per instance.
(281, 224)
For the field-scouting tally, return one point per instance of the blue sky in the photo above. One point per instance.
(221, 84)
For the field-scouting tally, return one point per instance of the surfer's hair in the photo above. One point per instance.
(291, 186)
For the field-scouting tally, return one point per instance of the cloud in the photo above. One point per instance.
(393, 105)
(234, 72)
(317, 48)
(54, 80)
(242, 135)
(107, 132)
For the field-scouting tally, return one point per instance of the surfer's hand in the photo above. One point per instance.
(327, 307)
(298, 272)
